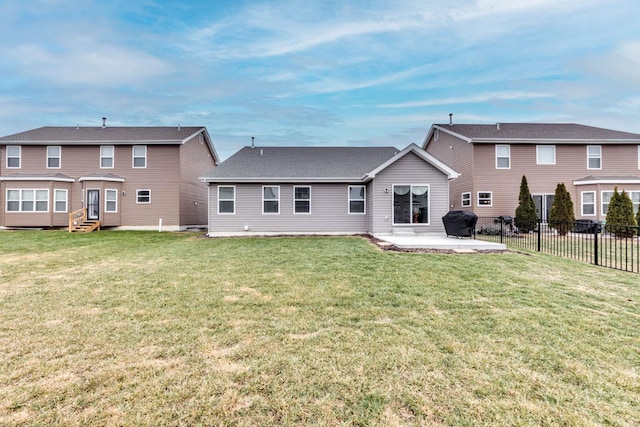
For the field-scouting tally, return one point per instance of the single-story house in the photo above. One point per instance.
(328, 190)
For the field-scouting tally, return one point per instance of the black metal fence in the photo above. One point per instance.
(589, 241)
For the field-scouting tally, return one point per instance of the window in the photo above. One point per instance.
(106, 156)
(226, 200)
(13, 156)
(606, 198)
(594, 157)
(588, 203)
(111, 200)
(302, 199)
(466, 200)
(53, 156)
(59, 200)
(546, 154)
(485, 198)
(635, 200)
(27, 200)
(270, 199)
(356, 199)
(411, 204)
(139, 153)
(503, 156)
(143, 196)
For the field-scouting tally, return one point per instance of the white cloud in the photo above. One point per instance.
(473, 99)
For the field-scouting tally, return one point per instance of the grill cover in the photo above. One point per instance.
(460, 223)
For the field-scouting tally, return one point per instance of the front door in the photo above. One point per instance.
(93, 204)
(543, 204)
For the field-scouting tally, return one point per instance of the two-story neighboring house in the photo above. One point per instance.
(125, 177)
(492, 159)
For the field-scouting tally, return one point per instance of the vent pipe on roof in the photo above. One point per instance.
(104, 122)
(498, 126)
(253, 142)
(450, 118)
(178, 127)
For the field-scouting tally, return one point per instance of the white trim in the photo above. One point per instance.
(112, 157)
(538, 155)
(106, 200)
(413, 148)
(410, 224)
(66, 200)
(19, 156)
(363, 200)
(301, 200)
(607, 181)
(508, 157)
(582, 203)
(271, 200)
(490, 199)
(226, 200)
(638, 156)
(138, 190)
(100, 178)
(599, 156)
(36, 178)
(134, 157)
(602, 212)
(59, 157)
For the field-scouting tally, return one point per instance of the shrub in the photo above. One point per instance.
(526, 218)
(620, 216)
(562, 215)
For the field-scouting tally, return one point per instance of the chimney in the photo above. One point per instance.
(497, 126)
(450, 118)
(104, 122)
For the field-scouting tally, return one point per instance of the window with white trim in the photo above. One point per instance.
(588, 203)
(545, 154)
(357, 194)
(226, 199)
(110, 200)
(60, 200)
(606, 198)
(635, 200)
(594, 157)
(503, 156)
(139, 153)
(27, 200)
(14, 153)
(54, 154)
(411, 204)
(301, 199)
(485, 198)
(465, 199)
(106, 156)
(143, 196)
(271, 199)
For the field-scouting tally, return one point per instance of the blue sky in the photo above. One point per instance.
(318, 72)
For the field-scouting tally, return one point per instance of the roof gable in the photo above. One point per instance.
(413, 148)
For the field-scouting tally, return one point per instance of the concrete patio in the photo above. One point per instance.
(441, 242)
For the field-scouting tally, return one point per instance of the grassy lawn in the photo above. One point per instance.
(144, 328)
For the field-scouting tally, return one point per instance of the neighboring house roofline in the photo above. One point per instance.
(287, 180)
(56, 178)
(435, 128)
(112, 178)
(413, 148)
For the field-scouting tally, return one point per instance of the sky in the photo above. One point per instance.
(322, 73)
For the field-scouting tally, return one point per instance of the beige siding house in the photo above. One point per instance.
(328, 190)
(125, 177)
(492, 159)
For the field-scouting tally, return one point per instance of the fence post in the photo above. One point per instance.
(539, 235)
(596, 231)
(501, 229)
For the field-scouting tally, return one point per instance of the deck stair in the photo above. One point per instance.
(78, 222)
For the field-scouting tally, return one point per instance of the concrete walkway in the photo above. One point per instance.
(435, 241)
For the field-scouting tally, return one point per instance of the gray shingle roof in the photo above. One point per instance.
(302, 162)
(538, 131)
(99, 135)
